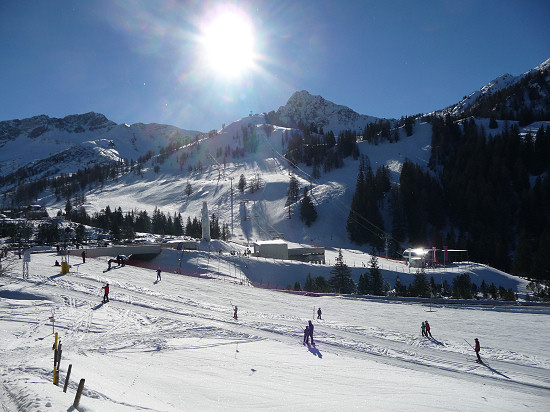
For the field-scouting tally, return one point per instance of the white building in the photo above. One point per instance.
(280, 249)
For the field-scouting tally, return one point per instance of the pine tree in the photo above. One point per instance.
(376, 277)
(188, 189)
(364, 285)
(321, 284)
(242, 183)
(293, 190)
(341, 280)
(420, 286)
(308, 214)
(310, 283)
(68, 208)
(400, 289)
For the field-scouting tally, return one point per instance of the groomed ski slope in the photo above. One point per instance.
(173, 345)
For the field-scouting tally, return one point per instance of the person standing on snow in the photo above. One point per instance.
(106, 294)
(423, 329)
(158, 274)
(428, 330)
(83, 256)
(311, 332)
(477, 348)
(235, 312)
(306, 335)
(319, 313)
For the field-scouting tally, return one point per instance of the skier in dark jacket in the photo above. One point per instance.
(106, 294)
(83, 256)
(477, 348)
(311, 332)
(158, 274)
(306, 335)
(319, 313)
(235, 312)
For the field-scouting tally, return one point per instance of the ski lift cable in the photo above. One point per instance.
(347, 208)
(337, 201)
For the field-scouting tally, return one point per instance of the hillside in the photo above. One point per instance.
(160, 167)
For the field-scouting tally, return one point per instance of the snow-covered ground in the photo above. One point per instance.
(173, 345)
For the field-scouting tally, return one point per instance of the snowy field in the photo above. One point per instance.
(172, 345)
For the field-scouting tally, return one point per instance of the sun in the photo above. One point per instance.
(228, 44)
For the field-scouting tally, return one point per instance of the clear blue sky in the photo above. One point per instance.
(143, 61)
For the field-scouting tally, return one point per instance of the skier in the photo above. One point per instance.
(306, 335)
(83, 256)
(311, 332)
(235, 312)
(319, 313)
(106, 295)
(477, 348)
(158, 274)
(423, 329)
(428, 330)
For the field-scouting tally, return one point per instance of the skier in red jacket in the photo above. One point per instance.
(428, 330)
(477, 347)
(106, 295)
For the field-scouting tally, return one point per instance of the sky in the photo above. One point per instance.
(201, 64)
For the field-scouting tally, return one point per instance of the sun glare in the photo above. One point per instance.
(228, 44)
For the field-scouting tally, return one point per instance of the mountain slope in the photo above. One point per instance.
(507, 95)
(29, 142)
(304, 108)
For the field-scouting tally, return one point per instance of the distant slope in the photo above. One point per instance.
(91, 137)
(507, 96)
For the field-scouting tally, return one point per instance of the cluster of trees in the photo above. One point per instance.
(64, 185)
(538, 291)
(487, 194)
(496, 193)
(526, 101)
(253, 185)
(308, 213)
(365, 223)
(372, 283)
(125, 225)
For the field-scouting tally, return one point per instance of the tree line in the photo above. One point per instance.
(372, 283)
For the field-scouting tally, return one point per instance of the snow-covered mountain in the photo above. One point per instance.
(305, 108)
(213, 164)
(48, 145)
(534, 77)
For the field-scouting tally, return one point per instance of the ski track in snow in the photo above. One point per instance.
(146, 316)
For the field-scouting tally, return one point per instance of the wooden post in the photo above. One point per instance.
(78, 393)
(55, 369)
(67, 378)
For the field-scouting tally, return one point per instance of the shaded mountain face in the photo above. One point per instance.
(36, 126)
(305, 109)
(525, 98)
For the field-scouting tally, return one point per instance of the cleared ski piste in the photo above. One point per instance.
(173, 345)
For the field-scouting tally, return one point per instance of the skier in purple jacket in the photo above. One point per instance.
(311, 332)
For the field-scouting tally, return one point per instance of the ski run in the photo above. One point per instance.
(174, 345)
